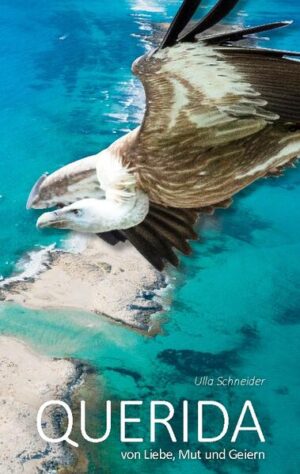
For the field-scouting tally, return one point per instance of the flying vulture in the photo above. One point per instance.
(219, 115)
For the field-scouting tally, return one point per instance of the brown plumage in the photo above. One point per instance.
(194, 149)
(214, 146)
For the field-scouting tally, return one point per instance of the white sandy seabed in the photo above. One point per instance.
(90, 275)
(29, 379)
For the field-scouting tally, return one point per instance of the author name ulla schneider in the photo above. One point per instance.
(246, 421)
(229, 381)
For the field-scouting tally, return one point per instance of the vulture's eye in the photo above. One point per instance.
(76, 212)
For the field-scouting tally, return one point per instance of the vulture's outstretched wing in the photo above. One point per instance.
(208, 102)
(164, 230)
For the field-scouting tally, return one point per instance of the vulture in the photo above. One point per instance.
(220, 114)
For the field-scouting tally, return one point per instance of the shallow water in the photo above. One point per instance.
(66, 92)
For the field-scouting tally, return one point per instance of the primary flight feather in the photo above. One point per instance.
(219, 115)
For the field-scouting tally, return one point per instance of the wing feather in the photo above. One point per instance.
(275, 78)
(216, 14)
(181, 19)
(206, 109)
(239, 34)
(163, 231)
(192, 92)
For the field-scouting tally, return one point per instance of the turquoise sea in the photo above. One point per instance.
(66, 91)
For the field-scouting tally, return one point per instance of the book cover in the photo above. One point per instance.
(149, 209)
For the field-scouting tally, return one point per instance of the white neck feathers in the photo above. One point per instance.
(128, 205)
(115, 179)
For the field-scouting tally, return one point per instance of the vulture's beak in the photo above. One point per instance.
(54, 219)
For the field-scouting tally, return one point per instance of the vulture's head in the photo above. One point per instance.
(97, 215)
(85, 215)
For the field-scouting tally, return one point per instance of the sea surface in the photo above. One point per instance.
(66, 91)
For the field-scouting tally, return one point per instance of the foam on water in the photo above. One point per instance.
(30, 265)
(150, 6)
(34, 262)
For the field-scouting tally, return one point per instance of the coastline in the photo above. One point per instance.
(92, 276)
(28, 379)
